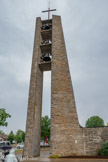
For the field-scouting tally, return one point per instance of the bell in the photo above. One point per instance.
(46, 57)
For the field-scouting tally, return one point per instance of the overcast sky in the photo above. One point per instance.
(85, 25)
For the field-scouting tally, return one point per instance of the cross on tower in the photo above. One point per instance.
(49, 11)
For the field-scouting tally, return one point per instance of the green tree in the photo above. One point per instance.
(94, 121)
(23, 136)
(11, 137)
(1, 132)
(20, 136)
(45, 127)
(18, 139)
(3, 117)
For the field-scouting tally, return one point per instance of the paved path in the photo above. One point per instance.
(45, 154)
(67, 160)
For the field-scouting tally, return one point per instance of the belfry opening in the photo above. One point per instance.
(46, 99)
(46, 111)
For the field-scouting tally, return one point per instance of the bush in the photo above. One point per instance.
(54, 156)
(104, 149)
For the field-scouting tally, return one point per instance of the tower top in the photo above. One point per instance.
(49, 10)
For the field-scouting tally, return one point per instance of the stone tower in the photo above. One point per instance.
(67, 136)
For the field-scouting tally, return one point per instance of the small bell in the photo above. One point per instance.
(46, 57)
(46, 26)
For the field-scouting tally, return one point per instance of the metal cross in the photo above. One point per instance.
(49, 11)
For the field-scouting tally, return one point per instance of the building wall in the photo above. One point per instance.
(1, 139)
(94, 139)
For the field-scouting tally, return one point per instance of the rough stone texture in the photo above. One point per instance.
(67, 136)
(32, 139)
(64, 119)
(94, 138)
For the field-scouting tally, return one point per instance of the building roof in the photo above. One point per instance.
(3, 136)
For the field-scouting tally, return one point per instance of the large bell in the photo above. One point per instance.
(46, 57)
(46, 27)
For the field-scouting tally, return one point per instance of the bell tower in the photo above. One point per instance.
(49, 54)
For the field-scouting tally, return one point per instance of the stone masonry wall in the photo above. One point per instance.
(68, 138)
(33, 125)
(94, 139)
(66, 133)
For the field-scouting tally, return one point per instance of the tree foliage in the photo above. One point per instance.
(18, 139)
(20, 136)
(94, 121)
(11, 137)
(3, 117)
(1, 132)
(45, 128)
(104, 149)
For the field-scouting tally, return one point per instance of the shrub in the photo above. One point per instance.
(104, 149)
(54, 156)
